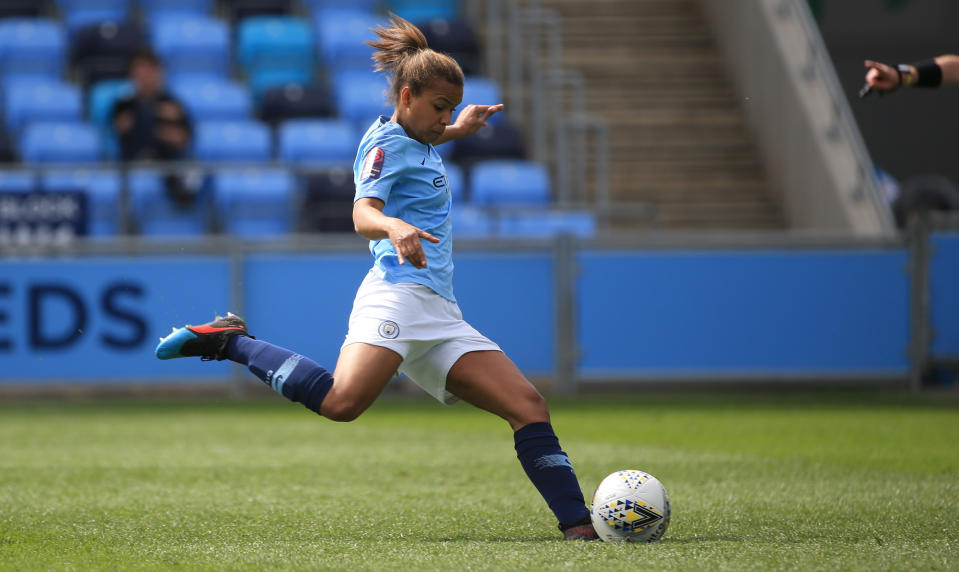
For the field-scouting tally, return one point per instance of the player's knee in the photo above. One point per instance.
(531, 408)
(342, 410)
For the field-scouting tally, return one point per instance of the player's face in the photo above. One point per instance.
(425, 116)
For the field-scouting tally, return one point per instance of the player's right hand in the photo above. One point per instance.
(881, 77)
(406, 240)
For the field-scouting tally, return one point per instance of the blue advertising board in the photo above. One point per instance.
(944, 295)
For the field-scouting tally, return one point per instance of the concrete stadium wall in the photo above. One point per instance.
(667, 313)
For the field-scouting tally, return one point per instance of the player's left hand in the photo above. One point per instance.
(473, 117)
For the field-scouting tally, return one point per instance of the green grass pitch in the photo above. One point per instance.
(810, 481)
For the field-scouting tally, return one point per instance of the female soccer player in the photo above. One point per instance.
(405, 317)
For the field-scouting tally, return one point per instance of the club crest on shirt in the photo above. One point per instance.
(373, 164)
(389, 330)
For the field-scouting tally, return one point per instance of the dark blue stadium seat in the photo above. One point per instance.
(456, 38)
(471, 222)
(31, 47)
(456, 180)
(295, 101)
(315, 6)
(480, 90)
(43, 142)
(101, 98)
(318, 141)
(361, 97)
(212, 98)
(157, 216)
(581, 224)
(423, 10)
(102, 189)
(328, 201)
(102, 50)
(341, 37)
(192, 44)
(255, 203)
(495, 141)
(79, 13)
(275, 50)
(29, 101)
(157, 8)
(237, 140)
(509, 182)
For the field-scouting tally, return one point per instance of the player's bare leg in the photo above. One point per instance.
(491, 381)
(362, 372)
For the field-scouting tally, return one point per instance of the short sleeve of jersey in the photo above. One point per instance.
(378, 165)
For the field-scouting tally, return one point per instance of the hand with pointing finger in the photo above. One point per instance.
(406, 240)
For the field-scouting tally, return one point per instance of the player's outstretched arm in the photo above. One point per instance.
(468, 122)
(885, 78)
(370, 222)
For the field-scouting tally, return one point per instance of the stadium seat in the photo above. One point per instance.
(17, 181)
(318, 141)
(101, 98)
(237, 140)
(422, 10)
(328, 201)
(456, 181)
(44, 142)
(275, 50)
(505, 182)
(495, 141)
(31, 47)
(158, 8)
(241, 9)
(471, 222)
(295, 101)
(20, 9)
(581, 224)
(102, 51)
(79, 13)
(211, 98)
(361, 97)
(157, 216)
(40, 101)
(102, 189)
(255, 203)
(316, 6)
(480, 90)
(341, 36)
(456, 38)
(192, 44)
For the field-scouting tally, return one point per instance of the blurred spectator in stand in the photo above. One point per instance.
(152, 125)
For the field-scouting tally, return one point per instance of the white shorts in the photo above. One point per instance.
(426, 329)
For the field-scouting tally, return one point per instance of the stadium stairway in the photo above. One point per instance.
(678, 138)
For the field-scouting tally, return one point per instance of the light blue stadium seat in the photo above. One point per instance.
(190, 43)
(212, 98)
(361, 97)
(420, 10)
(45, 142)
(330, 142)
(236, 140)
(471, 222)
(479, 90)
(156, 8)
(581, 224)
(456, 181)
(102, 189)
(17, 181)
(274, 50)
(101, 98)
(159, 217)
(31, 47)
(316, 6)
(341, 37)
(509, 182)
(255, 203)
(29, 101)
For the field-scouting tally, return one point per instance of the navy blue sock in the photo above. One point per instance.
(291, 375)
(551, 471)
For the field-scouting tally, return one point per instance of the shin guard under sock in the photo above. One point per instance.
(291, 375)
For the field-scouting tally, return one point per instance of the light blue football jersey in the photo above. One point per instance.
(409, 177)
